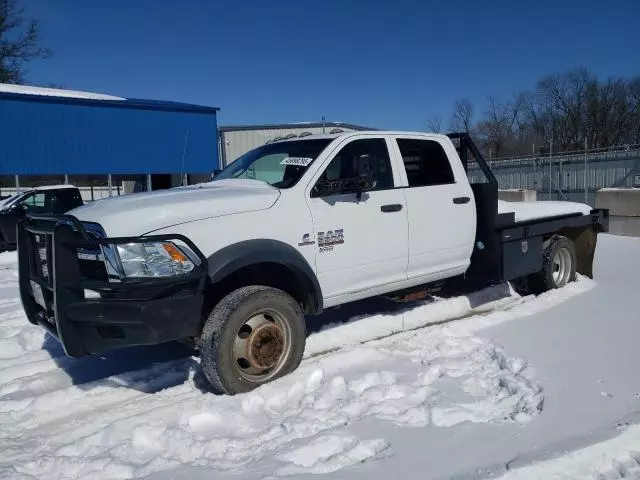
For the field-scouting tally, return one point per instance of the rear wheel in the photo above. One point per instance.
(558, 265)
(253, 335)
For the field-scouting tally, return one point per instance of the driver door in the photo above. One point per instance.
(361, 239)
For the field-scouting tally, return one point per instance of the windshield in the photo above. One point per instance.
(7, 202)
(280, 164)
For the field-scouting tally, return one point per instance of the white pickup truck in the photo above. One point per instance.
(287, 230)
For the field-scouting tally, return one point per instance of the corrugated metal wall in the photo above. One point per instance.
(563, 178)
(238, 142)
(47, 138)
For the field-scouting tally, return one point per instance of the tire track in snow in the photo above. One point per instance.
(47, 403)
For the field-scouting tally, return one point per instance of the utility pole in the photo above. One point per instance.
(585, 169)
(560, 179)
(550, 150)
(533, 157)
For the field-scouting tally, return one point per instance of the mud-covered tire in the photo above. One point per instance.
(222, 331)
(559, 263)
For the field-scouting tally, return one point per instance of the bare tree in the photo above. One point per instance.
(18, 42)
(634, 97)
(462, 118)
(562, 112)
(563, 101)
(498, 126)
(434, 124)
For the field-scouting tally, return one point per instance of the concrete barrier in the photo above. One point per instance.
(517, 195)
(624, 209)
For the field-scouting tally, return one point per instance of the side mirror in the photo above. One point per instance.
(364, 179)
(367, 167)
(19, 209)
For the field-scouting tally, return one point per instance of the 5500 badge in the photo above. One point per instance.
(326, 240)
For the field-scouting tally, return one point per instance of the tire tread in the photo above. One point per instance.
(213, 333)
(542, 281)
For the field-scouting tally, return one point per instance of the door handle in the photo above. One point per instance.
(393, 207)
(459, 200)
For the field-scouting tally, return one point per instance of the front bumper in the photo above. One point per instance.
(54, 283)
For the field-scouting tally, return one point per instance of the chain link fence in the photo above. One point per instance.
(572, 176)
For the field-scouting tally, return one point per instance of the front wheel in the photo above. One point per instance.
(559, 262)
(253, 335)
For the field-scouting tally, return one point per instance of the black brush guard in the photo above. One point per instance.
(129, 312)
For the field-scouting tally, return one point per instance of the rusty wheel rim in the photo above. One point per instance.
(261, 346)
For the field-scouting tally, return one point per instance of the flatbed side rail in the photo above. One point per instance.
(466, 142)
(597, 217)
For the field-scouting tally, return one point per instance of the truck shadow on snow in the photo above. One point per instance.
(152, 368)
(147, 369)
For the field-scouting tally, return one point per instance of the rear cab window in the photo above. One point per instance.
(65, 199)
(425, 162)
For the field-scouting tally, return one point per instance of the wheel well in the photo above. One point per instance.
(584, 240)
(270, 274)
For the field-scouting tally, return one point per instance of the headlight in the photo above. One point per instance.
(153, 259)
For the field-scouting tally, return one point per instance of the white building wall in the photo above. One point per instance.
(238, 142)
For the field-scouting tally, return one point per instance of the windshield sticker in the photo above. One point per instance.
(301, 161)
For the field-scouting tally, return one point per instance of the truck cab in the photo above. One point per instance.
(414, 223)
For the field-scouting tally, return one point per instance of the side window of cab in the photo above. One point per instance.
(37, 202)
(425, 162)
(345, 166)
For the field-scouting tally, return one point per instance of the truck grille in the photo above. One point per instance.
(44, 267)
(41, 248)
(91, 266)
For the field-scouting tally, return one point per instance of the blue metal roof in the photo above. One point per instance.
(133, 103)
(53, 135)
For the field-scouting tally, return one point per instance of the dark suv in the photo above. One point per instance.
(49, 199)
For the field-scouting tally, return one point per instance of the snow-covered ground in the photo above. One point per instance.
(487, 384)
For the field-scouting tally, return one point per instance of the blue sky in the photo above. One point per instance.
(387, 64)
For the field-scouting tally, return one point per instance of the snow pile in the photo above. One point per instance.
(525, 211)
(414, 379)
(330, 453)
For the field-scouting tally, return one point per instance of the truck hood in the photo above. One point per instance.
(140, 213)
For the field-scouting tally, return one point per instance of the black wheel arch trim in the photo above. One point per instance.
(250, 252)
